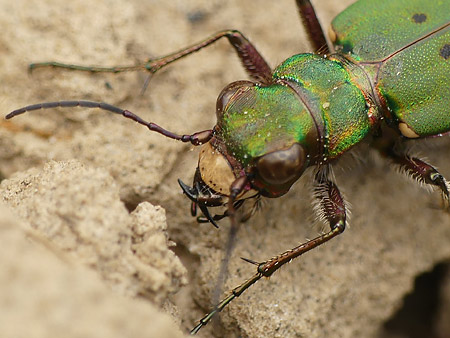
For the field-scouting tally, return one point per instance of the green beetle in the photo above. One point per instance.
(386, 79)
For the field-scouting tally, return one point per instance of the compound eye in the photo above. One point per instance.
(233, 90)
(282, 166)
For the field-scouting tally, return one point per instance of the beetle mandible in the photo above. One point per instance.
(313, 108)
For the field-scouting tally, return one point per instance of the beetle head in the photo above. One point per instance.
(263, 133)
(268, 131)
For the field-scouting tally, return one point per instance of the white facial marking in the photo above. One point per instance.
(407, 131)
(217, 173)
(215, 170)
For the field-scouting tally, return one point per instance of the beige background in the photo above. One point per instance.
(76, 263)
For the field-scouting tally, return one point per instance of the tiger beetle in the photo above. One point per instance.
(380, 80)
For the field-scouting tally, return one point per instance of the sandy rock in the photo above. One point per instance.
(88, 221)
(46, 292)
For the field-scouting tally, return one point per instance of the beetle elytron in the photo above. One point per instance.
(381, 78)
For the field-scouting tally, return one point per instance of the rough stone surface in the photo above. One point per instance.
(46, 292)
(348, 288)
(89, 221)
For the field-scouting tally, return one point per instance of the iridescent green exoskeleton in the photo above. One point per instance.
(385, 78)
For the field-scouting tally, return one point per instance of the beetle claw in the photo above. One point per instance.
(190, 192)
(251, 261)
(208, 216)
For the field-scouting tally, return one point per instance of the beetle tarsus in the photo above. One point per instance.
(90, 69)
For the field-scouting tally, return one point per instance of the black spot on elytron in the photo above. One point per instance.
(445, 51)
(419, 18)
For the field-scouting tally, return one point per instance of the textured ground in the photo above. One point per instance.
(76, 262)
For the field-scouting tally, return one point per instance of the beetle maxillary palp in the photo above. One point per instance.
(236, 188)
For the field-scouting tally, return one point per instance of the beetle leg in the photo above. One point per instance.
(255, 65)
(423, 173)
(331, 207)
(315, 32)
(392, 147)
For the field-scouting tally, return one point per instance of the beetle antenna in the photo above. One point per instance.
(195, 139)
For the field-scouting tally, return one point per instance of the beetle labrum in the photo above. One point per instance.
(313, 108)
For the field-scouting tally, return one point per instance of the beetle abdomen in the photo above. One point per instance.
(405, 47)
(415, 84)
